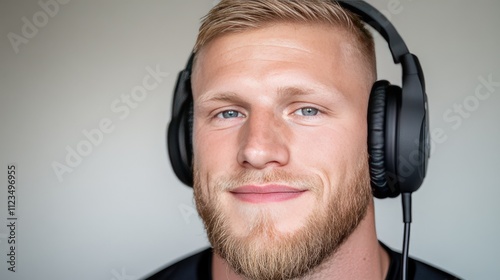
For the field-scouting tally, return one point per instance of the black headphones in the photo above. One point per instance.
(398, 124)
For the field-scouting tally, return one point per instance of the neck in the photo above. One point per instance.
(359, 257)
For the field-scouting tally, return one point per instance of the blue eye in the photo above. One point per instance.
(307, 112)
(229, 114)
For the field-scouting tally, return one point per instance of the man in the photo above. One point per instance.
(280, 96)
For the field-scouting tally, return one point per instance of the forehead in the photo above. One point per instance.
(312, 36)
(325, 52)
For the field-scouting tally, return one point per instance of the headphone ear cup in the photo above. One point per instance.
(179, 133)
(383, 110)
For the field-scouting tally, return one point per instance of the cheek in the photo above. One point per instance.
(332, 145)
(332, 153)
(213, 151)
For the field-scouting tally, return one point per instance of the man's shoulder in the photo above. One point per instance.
(417, 270)
(197, 266)
(423, 270)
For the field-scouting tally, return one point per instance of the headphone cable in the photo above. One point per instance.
(406, 201)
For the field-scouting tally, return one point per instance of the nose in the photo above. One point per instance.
(263, 142)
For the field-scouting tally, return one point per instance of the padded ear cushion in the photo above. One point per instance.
(179, 148)
(382, 122)
(180, 130)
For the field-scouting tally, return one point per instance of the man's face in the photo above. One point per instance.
(280, 157)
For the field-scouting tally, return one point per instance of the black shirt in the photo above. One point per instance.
(199, 267)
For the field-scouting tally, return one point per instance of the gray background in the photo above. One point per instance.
(121, 213)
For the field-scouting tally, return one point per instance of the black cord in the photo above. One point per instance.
(406, 200)
(406, 245)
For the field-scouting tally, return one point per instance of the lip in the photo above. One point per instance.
(266, 194)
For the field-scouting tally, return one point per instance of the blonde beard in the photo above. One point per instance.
(265, 253)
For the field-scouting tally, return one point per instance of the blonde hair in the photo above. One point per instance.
(230, 16)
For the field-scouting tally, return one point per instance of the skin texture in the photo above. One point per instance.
(285, 105)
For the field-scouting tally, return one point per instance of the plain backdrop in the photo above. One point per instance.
(116, 211)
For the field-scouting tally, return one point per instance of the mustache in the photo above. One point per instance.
(277, 176)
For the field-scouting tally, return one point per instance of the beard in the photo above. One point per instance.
(264, 252)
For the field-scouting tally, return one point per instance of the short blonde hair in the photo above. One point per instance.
(230, 16)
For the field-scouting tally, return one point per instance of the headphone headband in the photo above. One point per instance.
(379, 22)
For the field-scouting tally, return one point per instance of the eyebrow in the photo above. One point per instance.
(228, 96)
(296, 91)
